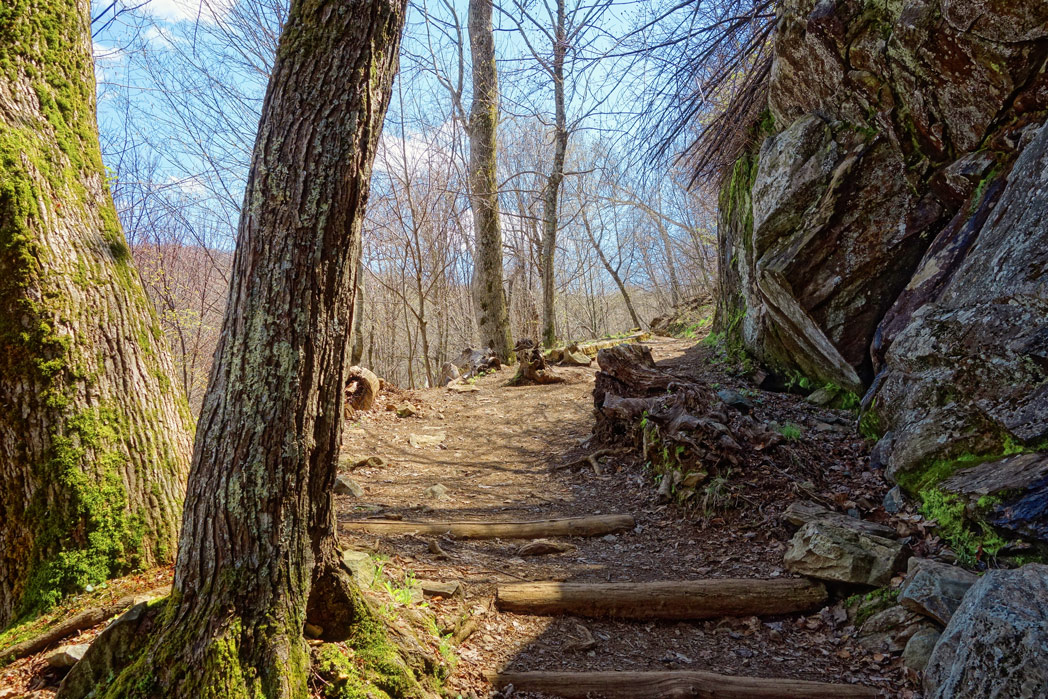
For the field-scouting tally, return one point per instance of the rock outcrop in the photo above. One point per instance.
(887, 233)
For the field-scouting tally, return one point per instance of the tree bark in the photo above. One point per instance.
(490, 296)
(258, 534)
(357, 353)
(94, 433)
(551, 196)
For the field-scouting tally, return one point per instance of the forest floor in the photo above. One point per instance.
(502, 457)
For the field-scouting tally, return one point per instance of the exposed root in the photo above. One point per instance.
(366, 653)
(592, 459)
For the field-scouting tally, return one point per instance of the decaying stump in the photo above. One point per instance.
(448, 373)
(362, 388)
(532, 367)
(572, 355)
(679, 424)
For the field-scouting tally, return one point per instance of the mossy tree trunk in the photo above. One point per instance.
(94, 435)
(258, 534)
(489, 295)
(551, 195)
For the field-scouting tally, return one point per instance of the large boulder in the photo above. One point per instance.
(890, 630)
(919, 648)
(833, 550)
(1013, 492)
(996, 644)
(934, 589)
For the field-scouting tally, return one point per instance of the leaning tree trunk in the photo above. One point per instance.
(551, 196)
(614, 272)
(94, 433)
(490, 297)
(258, 535)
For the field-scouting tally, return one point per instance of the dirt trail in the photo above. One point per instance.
(499, 460)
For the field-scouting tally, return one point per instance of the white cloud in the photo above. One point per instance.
(422, 153)
(188, 186)
(107, 59)
(160, 36)
(107, 54)
(188, 10)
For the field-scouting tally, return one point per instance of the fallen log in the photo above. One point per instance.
(362, 388)
(597, 525)
(592, 347)
(698, 599)
(673, 685)
(83, 620)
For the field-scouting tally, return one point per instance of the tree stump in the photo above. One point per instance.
(680, 425)
(532, 367)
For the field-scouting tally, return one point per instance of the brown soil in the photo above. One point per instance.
(499, 461)
(502, 459)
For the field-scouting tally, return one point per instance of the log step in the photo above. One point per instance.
(598, 525)
(673, 684)
(699, 599)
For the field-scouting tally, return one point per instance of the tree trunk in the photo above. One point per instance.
(671, 263)
(490, 297)
(357, 353)
(553, 182)
(612, 271)
(258, 534)
(94, 433)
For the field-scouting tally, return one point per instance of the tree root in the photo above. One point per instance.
(592, 459)
(84, 620)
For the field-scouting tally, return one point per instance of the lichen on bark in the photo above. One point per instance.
(257, 552)
(94, 443)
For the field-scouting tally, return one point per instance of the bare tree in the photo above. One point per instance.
(492, 313)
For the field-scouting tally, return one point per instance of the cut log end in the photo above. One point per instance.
(362, 388)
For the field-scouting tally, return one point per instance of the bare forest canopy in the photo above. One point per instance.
(180, 90)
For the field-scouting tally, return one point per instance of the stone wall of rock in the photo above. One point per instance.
(888, 230)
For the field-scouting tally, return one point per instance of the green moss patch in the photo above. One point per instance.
(971, 539)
